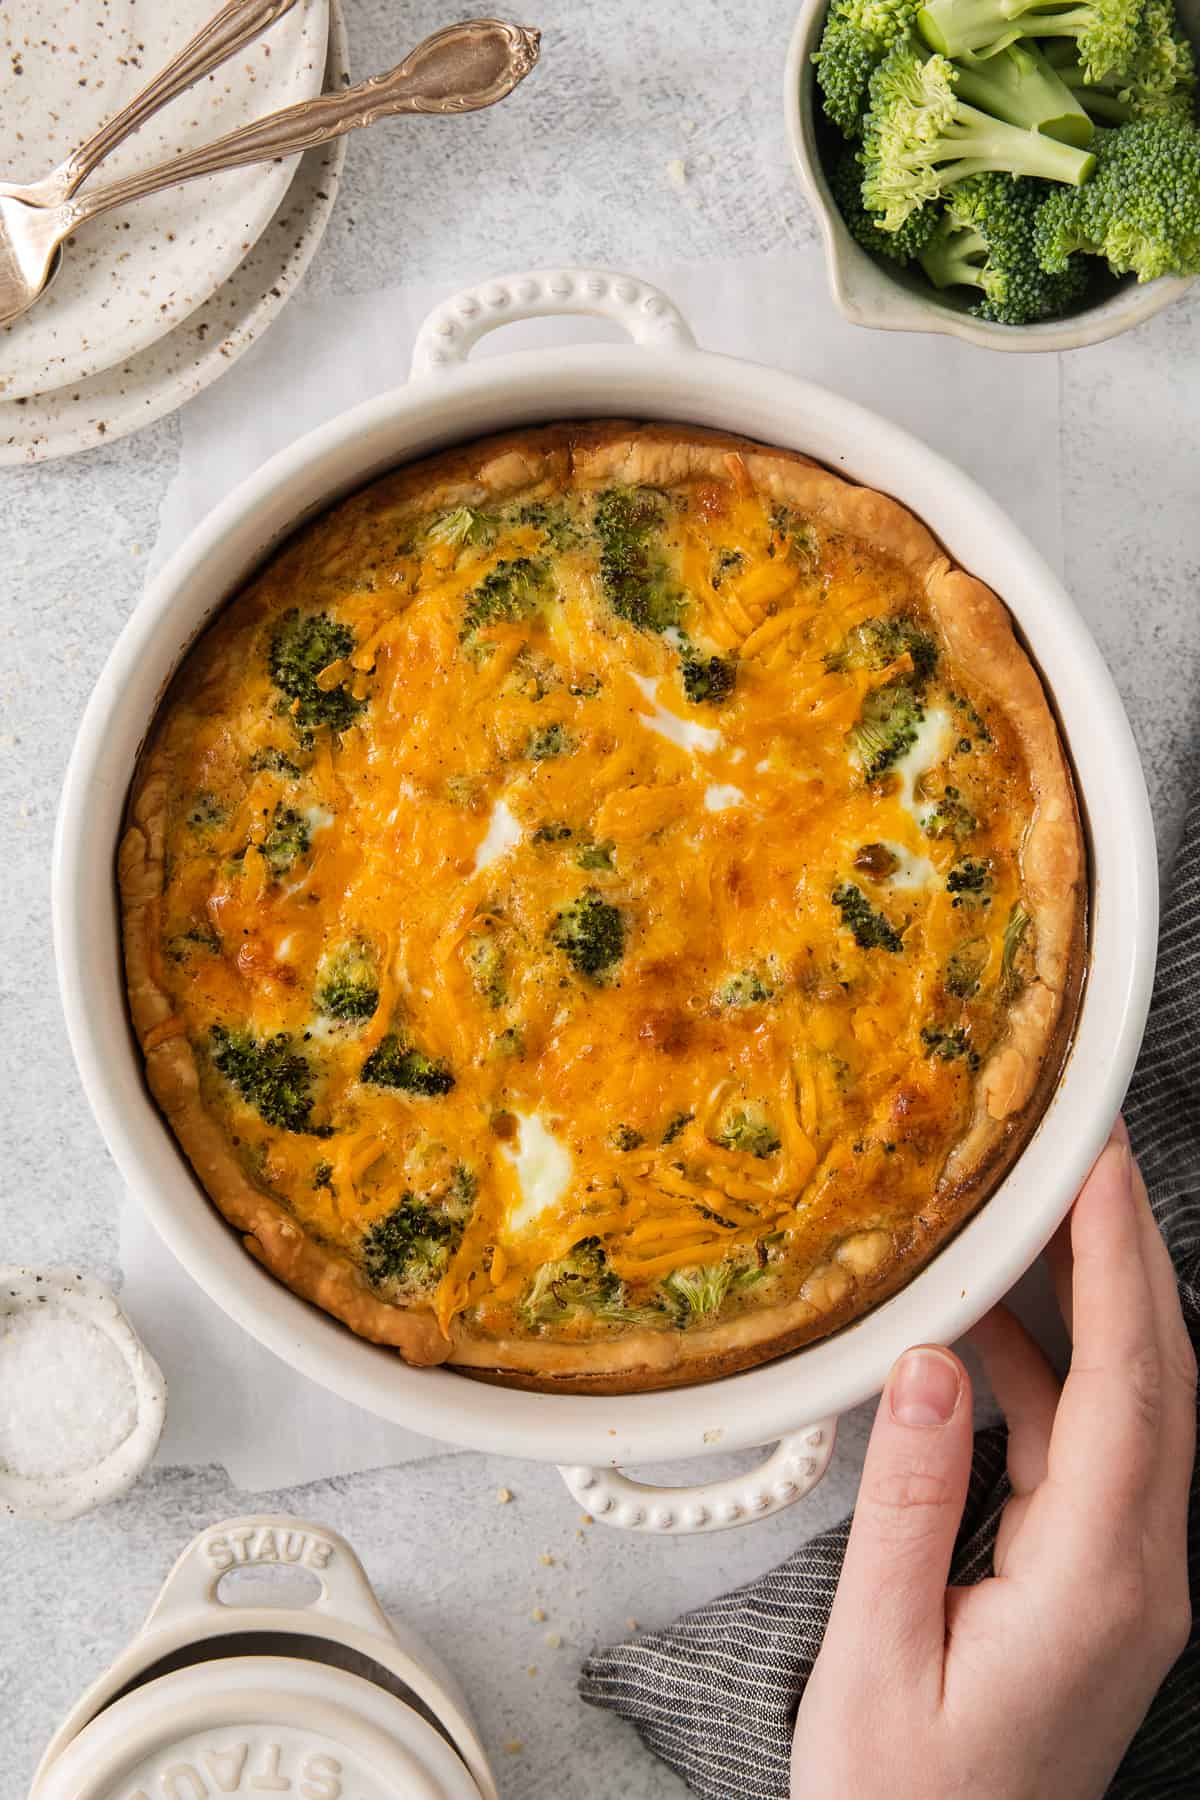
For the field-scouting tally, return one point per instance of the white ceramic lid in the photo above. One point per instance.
(253, 1725)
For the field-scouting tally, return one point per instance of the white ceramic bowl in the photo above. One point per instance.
(868, 293)
(450, 399)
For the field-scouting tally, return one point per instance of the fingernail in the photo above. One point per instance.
(924, 1388)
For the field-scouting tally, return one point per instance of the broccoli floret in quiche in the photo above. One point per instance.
(287, 840)
(270, 1074)
(582, 1281)
(949, 817)
(748, 987)
(595, 856)
(750, 1131)
(709, 678)
(878, 643)
(633, 572)
(950, 1044)
(464, 525)
(397, 1064)
(513, 590)
(590, 933)
(871, 930)
(348, 982)
(411, 1246)
(965, 967)
(887, 726)
(485, 959)
(970, 882)
(204, 814)
(700, 1292)
(303, 646)
(546, 742)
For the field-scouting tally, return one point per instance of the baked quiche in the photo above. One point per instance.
(603, 905)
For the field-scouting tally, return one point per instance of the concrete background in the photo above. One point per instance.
(576, 170)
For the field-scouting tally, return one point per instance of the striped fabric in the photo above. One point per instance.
(716, 1694)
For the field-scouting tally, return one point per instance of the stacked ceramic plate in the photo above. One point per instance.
(154, 301)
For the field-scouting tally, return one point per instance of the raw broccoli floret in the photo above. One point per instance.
(303, 645)
(348, 983)
(1105, 31)
(510, 591)
(412, 1244)
(709, 678)
(869, 929)
(986, 241)
(887, 726)
(857, 35)
(590, 933)
(270, 1075)
(1141, 208)
(877, 643)
(1020, 86)
(920, 138)
(287, 839)
(750, 1131)
(1160, 79)
(897, 246)
(395, 1064)
(635, 578)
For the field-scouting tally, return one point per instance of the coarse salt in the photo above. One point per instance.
(67, 1397)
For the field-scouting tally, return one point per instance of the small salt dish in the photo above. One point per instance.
(82, 1402)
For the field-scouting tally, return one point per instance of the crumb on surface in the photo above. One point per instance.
(587, 1519)
(553, 1641)
(677, 173)
(632, 1625)
(538, 1615)
(513, 1747)
(546, 1560)
(504, 1495)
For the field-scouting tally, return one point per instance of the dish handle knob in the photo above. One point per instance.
(452, 330)
(792, 1470)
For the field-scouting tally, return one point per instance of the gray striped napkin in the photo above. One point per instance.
(716, 1695)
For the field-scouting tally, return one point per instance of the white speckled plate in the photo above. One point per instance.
(204, 345)
(132, 275)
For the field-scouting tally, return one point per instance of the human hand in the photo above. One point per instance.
(1033, 1682)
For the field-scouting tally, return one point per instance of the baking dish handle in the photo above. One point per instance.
(792, 1470)
(451, 331)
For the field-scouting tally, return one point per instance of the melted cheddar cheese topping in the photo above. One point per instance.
(590, 910)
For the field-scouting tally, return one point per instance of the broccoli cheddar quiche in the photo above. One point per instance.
(603, 905)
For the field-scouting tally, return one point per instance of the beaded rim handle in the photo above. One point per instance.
(452, 330)
(792, 1470)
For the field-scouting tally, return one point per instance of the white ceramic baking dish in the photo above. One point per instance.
(793, 1402)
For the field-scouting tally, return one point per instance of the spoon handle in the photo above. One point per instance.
(460, 69)
(235, 25)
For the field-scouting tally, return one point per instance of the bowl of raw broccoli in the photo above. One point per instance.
(1024, 174)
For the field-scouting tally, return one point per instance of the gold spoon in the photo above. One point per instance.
(234, 26)
(461, 69)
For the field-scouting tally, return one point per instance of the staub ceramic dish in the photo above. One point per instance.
(303, 1685)
(889, 299)
(794, 1402)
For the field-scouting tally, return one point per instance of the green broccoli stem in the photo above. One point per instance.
(983, 27)
(1020, 87)
(984, 145)
(955, 257)
(1098, 102)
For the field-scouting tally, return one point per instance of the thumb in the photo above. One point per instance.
(891, 1599)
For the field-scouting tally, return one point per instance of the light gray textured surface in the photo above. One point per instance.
(575, 169)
